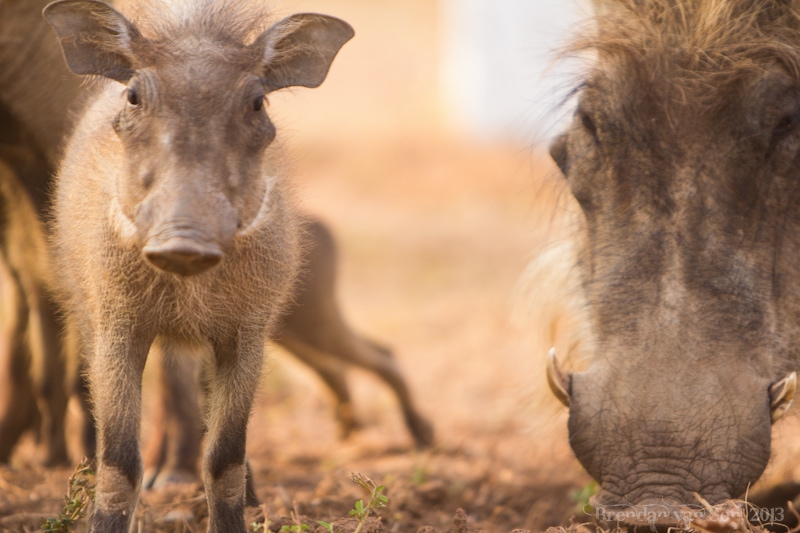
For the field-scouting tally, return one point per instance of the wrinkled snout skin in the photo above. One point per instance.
(655, 446)
(687, 256)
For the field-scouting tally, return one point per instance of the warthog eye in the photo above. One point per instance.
(133, 97)
(258, 103)
(785, 125)
(588, 123)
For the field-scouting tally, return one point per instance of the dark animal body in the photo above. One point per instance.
(684, 156)
(37, 92)
(173, 226)
(32, 388)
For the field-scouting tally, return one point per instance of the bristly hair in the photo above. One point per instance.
(237, 22)
(701, 44)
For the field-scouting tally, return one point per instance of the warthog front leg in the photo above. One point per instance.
(232, 380)
(115, 381)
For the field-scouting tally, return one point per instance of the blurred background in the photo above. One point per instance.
(425, 151)
(484, 69)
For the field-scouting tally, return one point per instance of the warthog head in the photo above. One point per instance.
(684, 156)
(192, 117)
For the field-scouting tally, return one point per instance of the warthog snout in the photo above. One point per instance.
(183, 256)
(183, 238)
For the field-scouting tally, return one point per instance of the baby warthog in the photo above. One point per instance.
(172, 224)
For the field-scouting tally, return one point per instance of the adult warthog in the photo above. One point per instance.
(684, 156)
(172, 223)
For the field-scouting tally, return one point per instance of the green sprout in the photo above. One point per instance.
(294, 528)
(80, 492)
(326, 525)
(419, 476)
(583, 495)
(377, 500)
(264, 525)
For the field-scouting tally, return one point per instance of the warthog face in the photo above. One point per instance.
(192, 121)
(684, 155)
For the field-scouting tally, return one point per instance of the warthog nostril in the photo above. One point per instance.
(183, 256)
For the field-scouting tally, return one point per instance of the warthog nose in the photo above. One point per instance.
(182, 256)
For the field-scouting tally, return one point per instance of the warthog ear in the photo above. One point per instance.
(299, 50)
(95, 37)
(781, 395)
(559, 384)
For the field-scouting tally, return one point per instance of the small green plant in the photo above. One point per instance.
(297, 527)
(294, 528)
(419, 476)
(583, 495)
(262, 526)
(377, 500)
(326, 525)
(80, 491)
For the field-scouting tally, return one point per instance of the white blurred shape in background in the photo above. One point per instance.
(499, 77)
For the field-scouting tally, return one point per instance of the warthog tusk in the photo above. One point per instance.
(559, 384)
(781, 395)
